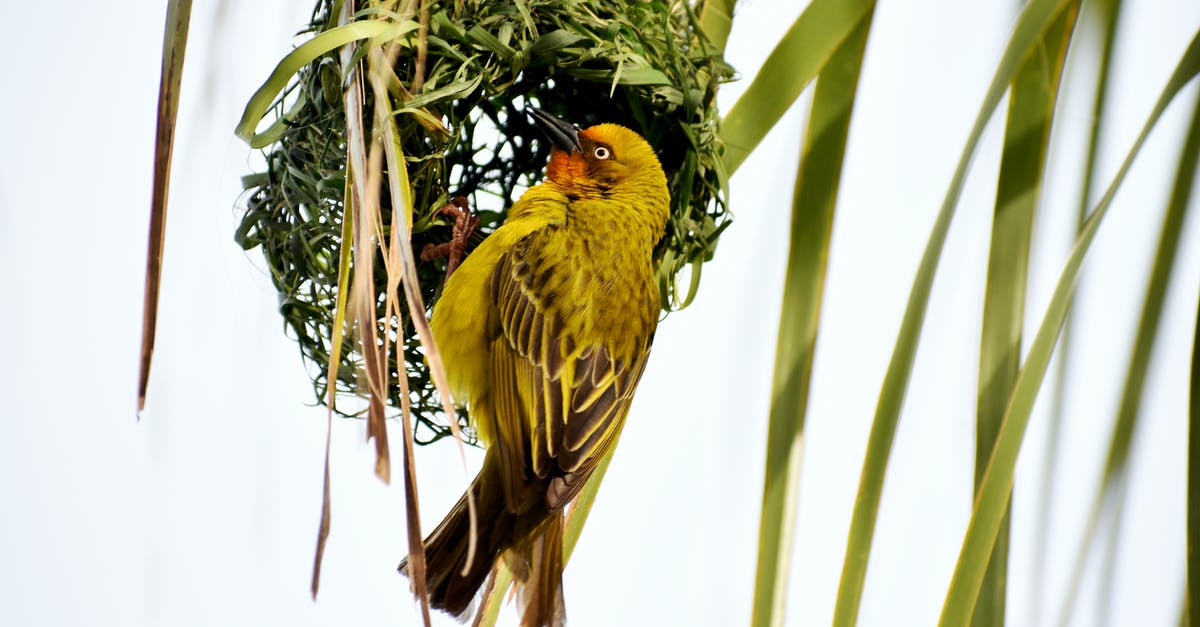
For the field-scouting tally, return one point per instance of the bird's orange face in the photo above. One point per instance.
(608, 156)
(595, 161)
(603, 161)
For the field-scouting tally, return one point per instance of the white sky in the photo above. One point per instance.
(205, 512)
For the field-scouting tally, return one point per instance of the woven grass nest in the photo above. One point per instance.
(465, 132)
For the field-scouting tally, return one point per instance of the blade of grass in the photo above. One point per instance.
(1106, 12)
(369, 232)
(582, 506)
(1147, 333)
(354, 208)
(1033, 21)
(1120, 442)
(1119, 491)
(330, 40)
(795, 61)
(813, 203)
(367, 174)
(174, 46)
(363, 176)
(399, 268)
(493, 596)
(716, 20)
(401, 196)
(1191, 601)
(992, 500)
(1027, 136)
(335, 358)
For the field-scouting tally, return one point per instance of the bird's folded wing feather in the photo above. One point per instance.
(559, 400)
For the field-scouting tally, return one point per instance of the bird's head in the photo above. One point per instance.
(605, 160)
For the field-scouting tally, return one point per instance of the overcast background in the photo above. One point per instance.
(205, 512)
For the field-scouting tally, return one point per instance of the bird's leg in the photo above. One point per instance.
(455, 249)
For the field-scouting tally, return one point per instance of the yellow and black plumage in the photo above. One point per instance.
(544, 331)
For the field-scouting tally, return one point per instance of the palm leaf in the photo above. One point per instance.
(795, 61)
(1191, 604)
(1106, 11)
(814, 200)
(1110, 495)
(1027, 136)
(991, 503)
(1032, 23)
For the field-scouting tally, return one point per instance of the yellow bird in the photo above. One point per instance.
(544, 331)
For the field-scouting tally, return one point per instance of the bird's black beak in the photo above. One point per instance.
(564, 135)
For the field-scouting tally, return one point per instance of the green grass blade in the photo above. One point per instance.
(582, 506)
(1033, 21)
(335, 356)
(175, 35)
(304, 54)
(795, 61)
(1191, 602)
(992, 500)
(813, 204)
(1147, 332)
(1125, 424)
(716, 19)
(1027, 136)
(1106, 12)
(493, 596)
(1120, 491)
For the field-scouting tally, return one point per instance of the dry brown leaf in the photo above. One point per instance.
(174, 46)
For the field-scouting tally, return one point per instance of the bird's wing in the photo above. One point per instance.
(559, 400)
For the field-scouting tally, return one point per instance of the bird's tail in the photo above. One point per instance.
(447, 549)
(531, 544)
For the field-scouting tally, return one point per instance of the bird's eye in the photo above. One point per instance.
(601, 152)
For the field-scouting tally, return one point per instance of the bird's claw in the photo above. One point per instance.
(465, 224)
